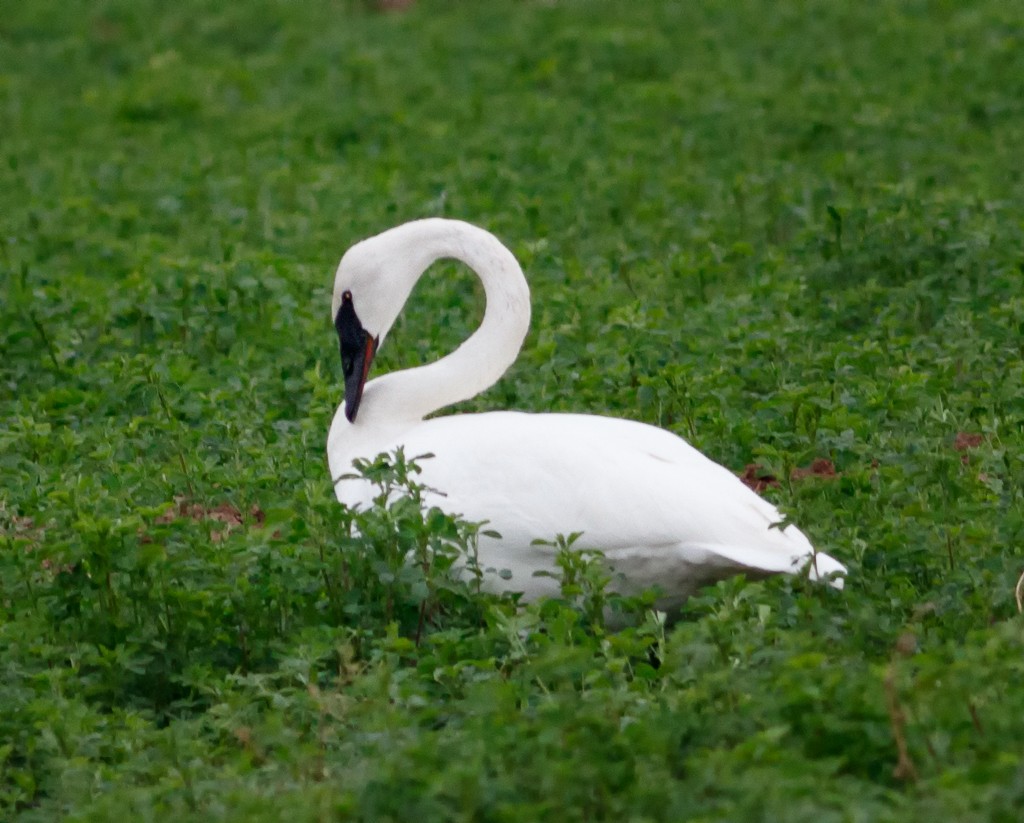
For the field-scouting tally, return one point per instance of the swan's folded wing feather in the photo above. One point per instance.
(624, 485)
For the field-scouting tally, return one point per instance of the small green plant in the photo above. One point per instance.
(404, 563)
(584, 580)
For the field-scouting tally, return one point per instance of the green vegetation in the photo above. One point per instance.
(787, 231)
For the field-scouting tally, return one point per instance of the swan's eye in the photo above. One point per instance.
(346, 297)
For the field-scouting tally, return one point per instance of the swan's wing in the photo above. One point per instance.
(659, 509)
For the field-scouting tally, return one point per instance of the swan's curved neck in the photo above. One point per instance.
(485, 355)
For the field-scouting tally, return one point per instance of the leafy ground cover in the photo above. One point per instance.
(790, 232)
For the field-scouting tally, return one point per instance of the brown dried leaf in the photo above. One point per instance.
(968, 440)
(225, 513)
(820, 467)
(755, 477)
(21, 527)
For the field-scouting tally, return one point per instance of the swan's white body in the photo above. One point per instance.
(663, 514)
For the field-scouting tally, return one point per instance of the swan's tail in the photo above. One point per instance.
(821, 566)
(817, 565)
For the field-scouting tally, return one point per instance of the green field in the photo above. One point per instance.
(788, 231)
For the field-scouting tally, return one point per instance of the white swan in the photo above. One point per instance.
(662, 513)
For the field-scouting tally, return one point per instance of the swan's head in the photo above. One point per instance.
(376, 276)
(373, 281)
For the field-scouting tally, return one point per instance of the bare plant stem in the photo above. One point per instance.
(171, 419)
(904, 769)
(50, 348)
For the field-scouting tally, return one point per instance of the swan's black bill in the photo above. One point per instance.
(357, 350)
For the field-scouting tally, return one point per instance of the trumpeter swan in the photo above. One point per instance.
(662, 513)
